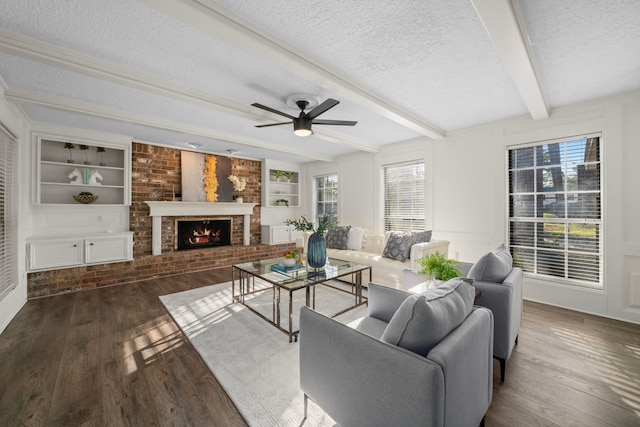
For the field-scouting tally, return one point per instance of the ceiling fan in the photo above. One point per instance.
(302, 123)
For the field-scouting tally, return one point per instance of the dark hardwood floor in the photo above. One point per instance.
(114, 357)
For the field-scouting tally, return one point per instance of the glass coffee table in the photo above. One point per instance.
(301, 278)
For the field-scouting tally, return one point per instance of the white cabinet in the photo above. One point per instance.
(57, 252)
(99, 167)
(276, 234)
(48, 254)
(105, 249)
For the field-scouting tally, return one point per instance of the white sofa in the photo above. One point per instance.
(385, 271)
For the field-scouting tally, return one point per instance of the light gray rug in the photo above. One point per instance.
(252, 360)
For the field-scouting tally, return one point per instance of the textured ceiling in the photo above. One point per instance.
(178, 71)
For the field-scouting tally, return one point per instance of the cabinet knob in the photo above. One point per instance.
(91, 244)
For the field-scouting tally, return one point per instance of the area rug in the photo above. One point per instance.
(252, 360)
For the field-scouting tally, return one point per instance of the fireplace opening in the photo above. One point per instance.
(196, 233)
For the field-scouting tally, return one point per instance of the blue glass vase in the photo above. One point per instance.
(316, 250)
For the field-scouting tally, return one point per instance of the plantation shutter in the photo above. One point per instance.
(8, 275)
(404, 208)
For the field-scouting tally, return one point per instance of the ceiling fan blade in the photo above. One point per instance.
(334, 122)
(272, 124)
(329, 103)
(264, 107)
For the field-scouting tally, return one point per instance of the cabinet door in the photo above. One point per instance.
(108, 249)
(48, 254)
(280, 234)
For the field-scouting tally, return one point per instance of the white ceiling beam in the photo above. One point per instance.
(25, 97)
(46, 53)
(220, 22)
(500, 20)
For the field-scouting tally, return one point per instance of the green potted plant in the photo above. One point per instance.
(69, 146)
(288, 175)
(276, 174)
(101, 150)
(437, 266)
(84, 148)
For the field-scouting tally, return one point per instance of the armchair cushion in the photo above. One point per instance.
(493, 267)
(422, 321)
(337, 237)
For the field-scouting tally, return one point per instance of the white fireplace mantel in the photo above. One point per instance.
(159, 209)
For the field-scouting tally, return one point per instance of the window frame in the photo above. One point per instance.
(8, 260)
(417, 220)
(567, 220)
(317, 188)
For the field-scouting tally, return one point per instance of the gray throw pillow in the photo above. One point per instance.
(423, 320)
(398, 246)
(421, 236)
(493, 267)
(337, 237)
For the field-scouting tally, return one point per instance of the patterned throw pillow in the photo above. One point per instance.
(421, 236)
(337, 237)
(398, 246)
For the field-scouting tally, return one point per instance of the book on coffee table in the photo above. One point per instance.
(280, 268)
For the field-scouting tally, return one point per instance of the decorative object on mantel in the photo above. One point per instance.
(101, 150)
(317, 245)
(84, 148)
(69, 146)
(85, 198)
(239, 185)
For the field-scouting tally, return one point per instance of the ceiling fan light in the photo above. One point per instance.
(302, 127)
(302, 132)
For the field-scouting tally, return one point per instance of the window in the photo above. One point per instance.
(7, 228)
(555, 221)
(404, 196)
(326, 195)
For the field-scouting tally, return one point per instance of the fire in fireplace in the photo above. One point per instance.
(195, 233)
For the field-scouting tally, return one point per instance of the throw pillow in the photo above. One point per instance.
(356, 237)
(421, 236)
(398, 246)
(337, 237)
(493, 267)
(423, 320)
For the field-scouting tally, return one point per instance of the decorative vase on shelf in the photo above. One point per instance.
(239, 199)
(317, 250)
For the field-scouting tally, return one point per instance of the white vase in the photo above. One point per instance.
(239, 199)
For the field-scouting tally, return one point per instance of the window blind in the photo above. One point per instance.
(8, 275)
(555, 221)
(404, 207)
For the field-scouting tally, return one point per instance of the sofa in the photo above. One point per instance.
(374, 250)
(413, 360)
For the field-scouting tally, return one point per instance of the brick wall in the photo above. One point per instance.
(156, 175)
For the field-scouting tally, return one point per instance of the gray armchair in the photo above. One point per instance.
(502, 295)
(375, 374)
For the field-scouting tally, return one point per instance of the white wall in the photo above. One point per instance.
(467, 184)
(11, 118)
